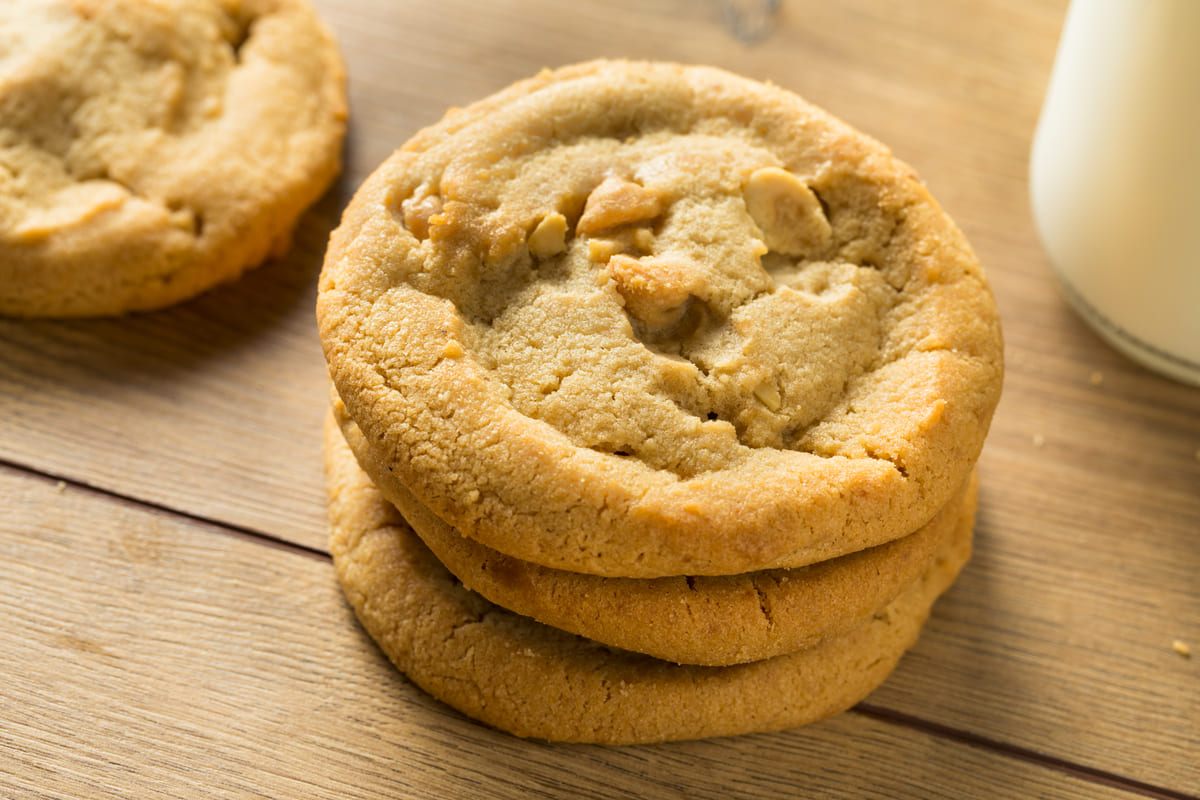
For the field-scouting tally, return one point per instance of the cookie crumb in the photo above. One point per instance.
(1038, 440)
(1180, 646)
(1096, 378)
(60, 487)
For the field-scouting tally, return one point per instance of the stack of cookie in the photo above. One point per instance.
(657, 398)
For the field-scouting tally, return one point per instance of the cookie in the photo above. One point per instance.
(644, 319)
(712, 621)
(150, 150)
(533, 680)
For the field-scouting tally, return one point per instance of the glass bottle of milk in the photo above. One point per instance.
(1115, 176)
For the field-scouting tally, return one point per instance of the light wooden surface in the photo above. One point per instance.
(170, 623)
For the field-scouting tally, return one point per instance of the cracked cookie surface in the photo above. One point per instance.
(534, 680)
(150, 150)
(637, 319)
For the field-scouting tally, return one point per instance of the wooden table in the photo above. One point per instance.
(169, 620)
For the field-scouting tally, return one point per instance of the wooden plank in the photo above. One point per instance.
(1067, 648)
(144, 653)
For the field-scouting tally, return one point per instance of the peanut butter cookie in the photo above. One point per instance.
(643, 319)
(149, 150)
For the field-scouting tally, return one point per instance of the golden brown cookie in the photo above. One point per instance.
(150, 150)
(640, 319)
(537, 681)
(712, 621)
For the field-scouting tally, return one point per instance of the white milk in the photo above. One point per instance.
(1115, 176)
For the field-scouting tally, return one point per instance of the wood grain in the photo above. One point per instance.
(165, 654)
(209, 407)
(152, 645)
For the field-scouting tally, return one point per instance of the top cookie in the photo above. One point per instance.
(151, 149)
(641, 319)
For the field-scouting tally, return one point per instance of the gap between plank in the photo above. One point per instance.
(1089, 774)
(231, 529)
